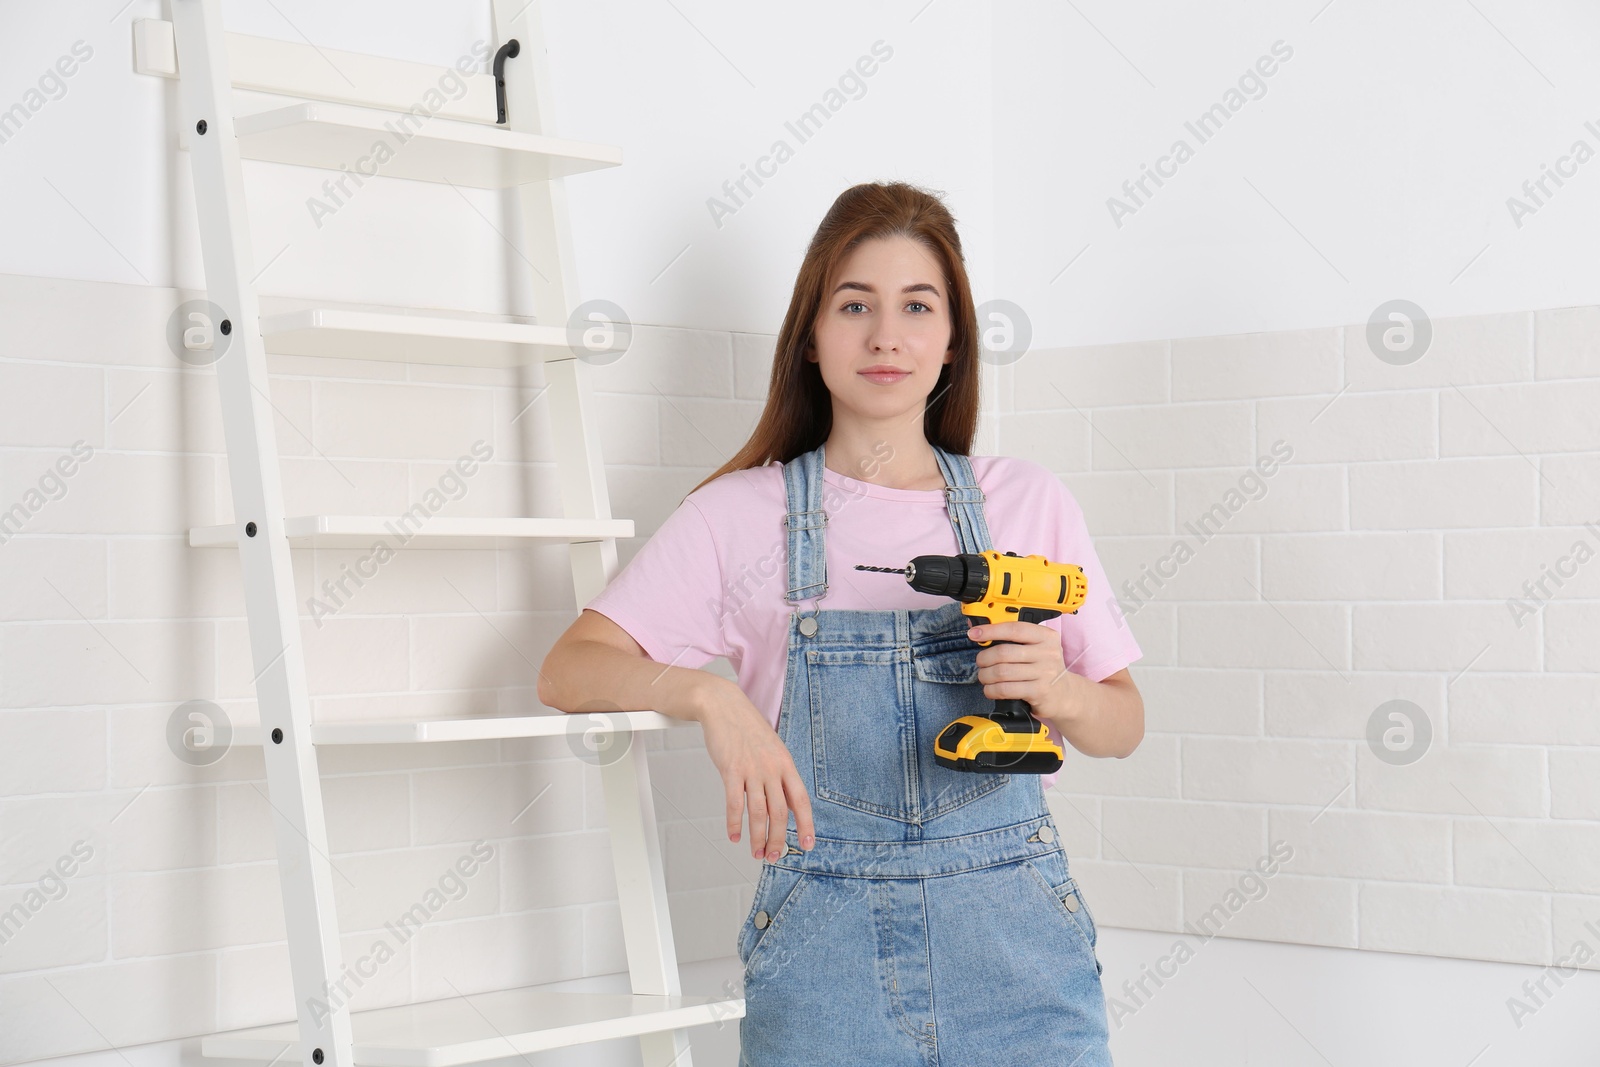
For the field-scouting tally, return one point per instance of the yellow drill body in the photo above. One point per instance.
(995, 587)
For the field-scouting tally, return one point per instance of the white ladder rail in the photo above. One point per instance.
(328, 1032)
(630, 805)
(293, 782)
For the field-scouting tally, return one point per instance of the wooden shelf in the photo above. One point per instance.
(360, 531)
(332, 136)
(484, 1026)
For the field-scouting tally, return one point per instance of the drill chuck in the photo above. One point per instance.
(964, 577)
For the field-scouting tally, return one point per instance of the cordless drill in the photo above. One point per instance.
(996, 587)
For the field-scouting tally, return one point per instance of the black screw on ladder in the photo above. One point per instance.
(508, 50)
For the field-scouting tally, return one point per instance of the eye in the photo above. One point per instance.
(854, 304)
(918, 303)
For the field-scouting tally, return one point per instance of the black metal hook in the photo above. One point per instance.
(508, 50)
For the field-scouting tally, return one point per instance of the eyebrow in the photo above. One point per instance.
(919, 287)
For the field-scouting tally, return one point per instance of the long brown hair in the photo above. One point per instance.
(799, 411)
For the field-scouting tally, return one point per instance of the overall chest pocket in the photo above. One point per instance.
(945, 687)
(859, 745)
(874, 716)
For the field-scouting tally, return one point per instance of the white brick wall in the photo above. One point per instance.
(172, 924)
(1374, 566)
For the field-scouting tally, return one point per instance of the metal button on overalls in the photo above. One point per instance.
(925, 925)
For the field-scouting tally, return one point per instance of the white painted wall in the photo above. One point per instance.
(1374, 564)
(1375, 162)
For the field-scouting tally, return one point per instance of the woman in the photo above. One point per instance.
(905, 910)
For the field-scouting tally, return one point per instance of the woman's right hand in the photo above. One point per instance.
(754, 763)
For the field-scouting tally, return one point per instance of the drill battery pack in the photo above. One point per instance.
(982, 744)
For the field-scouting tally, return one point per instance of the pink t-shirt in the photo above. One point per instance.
(710, 582)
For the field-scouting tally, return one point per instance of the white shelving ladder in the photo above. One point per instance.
(321, 108)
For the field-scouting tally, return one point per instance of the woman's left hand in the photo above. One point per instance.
(1033, 668)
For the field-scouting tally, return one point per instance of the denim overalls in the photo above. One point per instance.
(935, 922)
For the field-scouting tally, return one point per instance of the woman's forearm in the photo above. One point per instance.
(1103, 718)
(589, 676)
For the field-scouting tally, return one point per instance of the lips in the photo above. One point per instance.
(885, 375)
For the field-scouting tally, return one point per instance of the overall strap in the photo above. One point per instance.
(805, 519)
(964, 501)
(808, 564)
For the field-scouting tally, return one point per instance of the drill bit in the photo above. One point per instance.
(886, 570)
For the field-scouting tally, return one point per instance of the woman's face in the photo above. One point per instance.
(886, 307)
